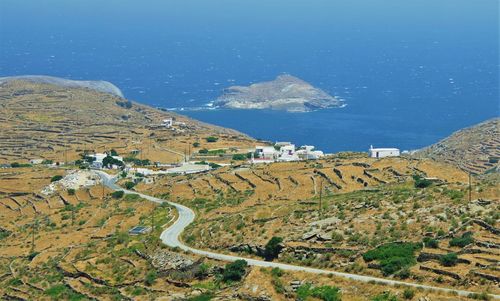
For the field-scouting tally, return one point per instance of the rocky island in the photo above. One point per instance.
(286, 92)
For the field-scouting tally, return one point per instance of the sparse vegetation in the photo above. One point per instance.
(393, 257)
(462, 241)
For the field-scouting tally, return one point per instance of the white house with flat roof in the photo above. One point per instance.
(383, 152)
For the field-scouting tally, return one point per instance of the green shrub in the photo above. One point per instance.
(325, 293)
(464, 240)
(239, 157)
(421, 182)
(117, 194)
(431, 242)
(202, 297)
(234, 271)
(386, 296)
(17, 165)
(129, 185)
(71, 191)
(151, 277)
(56, 178)
(408, 294)
(273, 248)
(211, 139)
(393, 257)
(196, 144)
(449, 259)
(480, 296)
(203, 151)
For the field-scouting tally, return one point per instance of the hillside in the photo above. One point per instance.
(475, 149)
(346, 212)
(58, 123)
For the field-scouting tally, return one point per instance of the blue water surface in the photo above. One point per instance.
(411, 72)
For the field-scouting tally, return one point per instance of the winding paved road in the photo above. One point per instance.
(170, 237)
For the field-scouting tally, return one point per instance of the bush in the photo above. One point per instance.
(273, 248)
(431, 242)
(196, 144)
(325, 293)
(117, 194)
(17, 165)
(126, 104)
(408, 294)
(239, 157)
(421, 182)
(56, 178)
(71, 191)
(393, 257)
(211, 139)
(151, 277)
(464, 240)
(234, 271)
(203, 151)
(386, 296)
(129, 185)
(449, 259)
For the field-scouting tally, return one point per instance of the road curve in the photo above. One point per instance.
(170, 237)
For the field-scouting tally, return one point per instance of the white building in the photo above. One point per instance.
(266, 152)
(167, 122)
(383, 152)
(308, 152)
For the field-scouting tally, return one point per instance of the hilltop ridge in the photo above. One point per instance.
(474, 149)
(98, 85)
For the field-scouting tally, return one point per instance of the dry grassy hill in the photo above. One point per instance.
(50, 122)
(365, 203)
(475, 149)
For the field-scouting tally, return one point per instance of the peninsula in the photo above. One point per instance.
(286, 93)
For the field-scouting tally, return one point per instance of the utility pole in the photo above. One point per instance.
(153, 220)
(320, 198)
(103, 189)
(33, 232)
(470, 188)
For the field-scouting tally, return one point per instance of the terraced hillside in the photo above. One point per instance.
(54, 123)
(331, 212)
(475, 149)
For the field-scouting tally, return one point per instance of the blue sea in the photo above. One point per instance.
(411, 72)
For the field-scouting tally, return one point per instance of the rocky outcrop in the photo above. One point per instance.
(286, 92)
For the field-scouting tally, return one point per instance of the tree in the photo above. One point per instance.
(113, 152)
(117, 194)
(71, 191)
(129, 185)
(211, 139)
(234, 271)
(109, 161)
(196, 144)
(273, 248)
